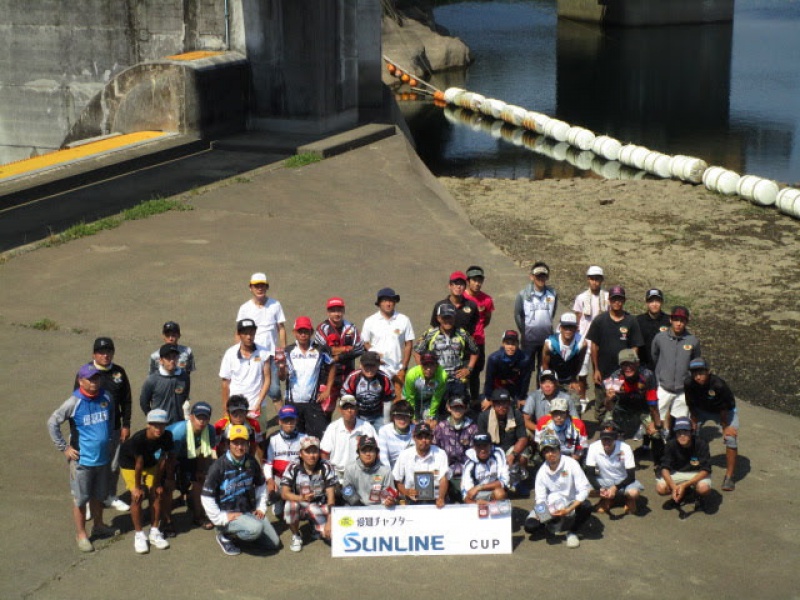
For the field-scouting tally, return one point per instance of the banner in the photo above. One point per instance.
(421, 530)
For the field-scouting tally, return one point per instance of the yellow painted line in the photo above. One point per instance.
(58, 157)
(196, 55)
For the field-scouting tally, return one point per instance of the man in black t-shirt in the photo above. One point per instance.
(651, 323)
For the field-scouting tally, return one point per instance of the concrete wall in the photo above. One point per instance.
(646, 12)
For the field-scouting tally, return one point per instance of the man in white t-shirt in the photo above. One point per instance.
(246, 369)
(391, 335)
(588, 304)
(426, 459)
(611, 469)
(269, 318)
(339, 445)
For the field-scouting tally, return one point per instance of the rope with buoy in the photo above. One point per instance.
(630, 159)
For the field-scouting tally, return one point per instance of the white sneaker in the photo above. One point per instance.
(639, 435)
(297, 543)
(572, 541)
(157, 539)
(140, 543)
(584, 405)
(117, 504)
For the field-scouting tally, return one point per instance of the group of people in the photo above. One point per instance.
(428, 433)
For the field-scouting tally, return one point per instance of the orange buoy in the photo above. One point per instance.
(391, 68)
(412, 82)
(439, 95)
(405, 77)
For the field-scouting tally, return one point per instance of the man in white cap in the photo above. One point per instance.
(588, 304)
(564, 351)
(269, 318)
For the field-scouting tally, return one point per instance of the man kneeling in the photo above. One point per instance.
(485, 475)
(686, 465)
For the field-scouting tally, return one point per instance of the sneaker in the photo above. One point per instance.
(699, 505)
(639, 435)
(728, 484)
(584, 405)
(84, 545)
(117, 504)
(297, 543)
(157, 539)
(103, 531)
(572, 541)
(140, 543)
(228, 547)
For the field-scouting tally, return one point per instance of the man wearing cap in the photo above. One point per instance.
(340, 441)
(344, 341)
(372, 388)
(171, 333)
(485, 476)
(267, 313)
(570, 431)
(508, 368)
(308, 489)
(651, 323)
(611, 470)
(632, 401)
(709, 398)
(236, 414)
(114, 382)
(168, 388)
(454, 347)
(283, 449)
(454, 435)
(89, 411)
(367, 481)
(145, 461)
(672, 351)
(235, 497)
(246, 370)
(390, 334)
(396, 436)
(424, 388)
(564, 351)
(485, 304)
(466, 311)
(609, 333)
(193, 444)
(539, 402)
(505, 425)
(686, 465)
(588, 304)
(562, 487)
(426, 459)
(534, 310)
(301, 369)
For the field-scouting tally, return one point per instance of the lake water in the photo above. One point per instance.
(727, 93)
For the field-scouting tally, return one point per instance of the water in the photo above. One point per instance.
(728, 93)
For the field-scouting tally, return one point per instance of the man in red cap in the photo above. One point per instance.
(300, 368)
(467, 314)
(342, 337)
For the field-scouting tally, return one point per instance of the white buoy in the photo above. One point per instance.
(687, 168)
(451, 93)
(657, 164)
(626, 154)
(763, 192)
(607, 147)
(788, 202)
(638, 156)
(557, 130)
(513, 115)
(493, 107)
(580, 137)
(721, 180)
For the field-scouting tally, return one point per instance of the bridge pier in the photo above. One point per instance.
(633, 13)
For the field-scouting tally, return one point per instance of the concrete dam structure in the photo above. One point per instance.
(72, 70)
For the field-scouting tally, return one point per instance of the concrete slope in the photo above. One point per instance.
(346, 226)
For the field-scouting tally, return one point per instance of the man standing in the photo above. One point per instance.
(340, 442)
(534, 311)
(342, 337)
(485, 304)
(167, 388)
(672, 351)
(427, 460)
(235, 497)
(508, 368)
(372, 389)
(466, 311)
(245, 369)
(267, 313)
(651, 323)
(609, 333)
(588, 304)
(171, 332)
(709, 398)
(114, 382)
(391, 335)
(301, 368)
(89, 411)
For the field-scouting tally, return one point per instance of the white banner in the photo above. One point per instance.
(421, 530)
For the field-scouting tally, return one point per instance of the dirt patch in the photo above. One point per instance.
(735, 265)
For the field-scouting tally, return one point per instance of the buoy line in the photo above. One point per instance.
(581, 147)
